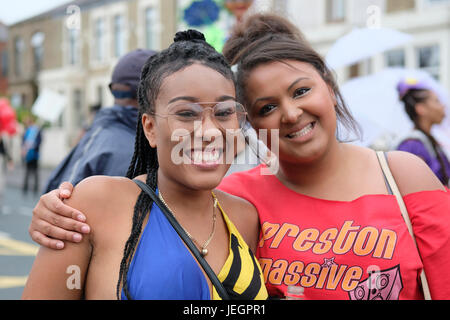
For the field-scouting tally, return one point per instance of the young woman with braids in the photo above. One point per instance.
(153, 262)
(425, 110)
(329, 221)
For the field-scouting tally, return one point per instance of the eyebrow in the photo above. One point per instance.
(261, 99)
(295, 82)
(289, 89)
(194, 99)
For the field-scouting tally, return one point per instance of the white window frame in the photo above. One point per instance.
(437, 2)
(113, 10)
(395, 51)
(19, 56)
(73, 48)
(4, 62)
(95, 15)
(37, 45)
(99, 34)
(432, 4)
(151, 28)
(433, 70)
(119, 36)
(158, 28)
(332, 16)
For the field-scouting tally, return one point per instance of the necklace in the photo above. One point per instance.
(203, 250)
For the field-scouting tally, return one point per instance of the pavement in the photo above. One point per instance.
(17, 250)
(14, 177)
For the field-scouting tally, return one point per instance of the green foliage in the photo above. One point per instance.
(23, 113)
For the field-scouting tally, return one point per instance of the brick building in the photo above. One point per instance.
(72, 50)
(3, 60)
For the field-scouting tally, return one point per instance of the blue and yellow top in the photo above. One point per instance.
(163, 268)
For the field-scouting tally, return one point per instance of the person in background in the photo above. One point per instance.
(238, 8)
(31, 144)
(87, 123)
(425, 110)
(113, 129)
(5, 163)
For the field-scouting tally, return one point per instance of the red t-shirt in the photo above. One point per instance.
(355, 250)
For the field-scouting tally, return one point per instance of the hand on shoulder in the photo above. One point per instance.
(412, 174)
(100, 194)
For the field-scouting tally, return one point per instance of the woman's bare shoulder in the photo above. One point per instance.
(243, 214)
(240, 207)
(101, 194)
(411, 173)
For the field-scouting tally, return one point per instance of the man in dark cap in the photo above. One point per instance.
(107, 147)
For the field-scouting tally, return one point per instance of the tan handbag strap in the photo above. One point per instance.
(390, 179)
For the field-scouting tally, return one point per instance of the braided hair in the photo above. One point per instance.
(410, 99)
(189, 47)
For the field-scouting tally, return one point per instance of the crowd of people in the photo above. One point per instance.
(326, 219)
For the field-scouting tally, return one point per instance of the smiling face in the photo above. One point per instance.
(202, 151)
(291, 96)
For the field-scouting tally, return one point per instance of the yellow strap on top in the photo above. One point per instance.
(246, 272)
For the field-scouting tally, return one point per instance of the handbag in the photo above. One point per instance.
(203, 263)
(391, 181)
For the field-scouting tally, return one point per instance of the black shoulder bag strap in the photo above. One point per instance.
(212, 276)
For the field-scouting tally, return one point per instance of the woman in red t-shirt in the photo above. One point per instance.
(329, 223)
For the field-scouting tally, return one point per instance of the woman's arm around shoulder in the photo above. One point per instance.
(61, 274)
(412, 174)
(244, 216)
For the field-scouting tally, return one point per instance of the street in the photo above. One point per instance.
(17, 250)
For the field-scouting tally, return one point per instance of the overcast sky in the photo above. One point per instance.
(12, 11)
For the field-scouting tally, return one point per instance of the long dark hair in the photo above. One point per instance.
(189, 47)
(263, 38)
(410, 99)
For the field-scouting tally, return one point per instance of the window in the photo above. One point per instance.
(438, 1)
(428, 59)
(73, 46)
(4, 63)
(336, 10)
(119, 36)
(399, 5)
(37, 42)
(99, 38)
(17, 100)
(19, 47)
(150, 21)
(395, 58)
